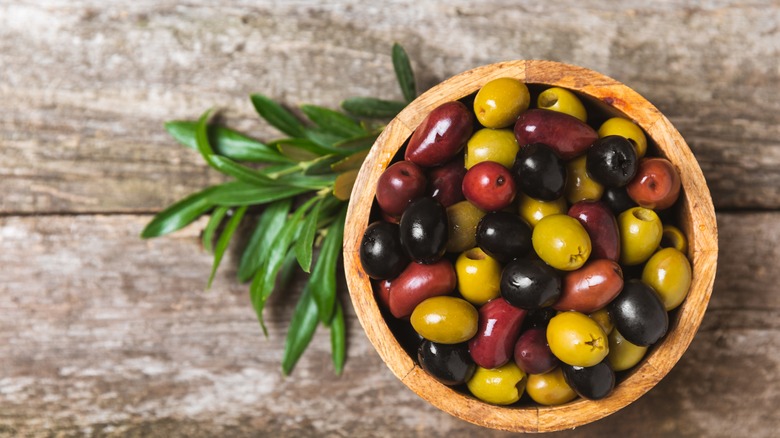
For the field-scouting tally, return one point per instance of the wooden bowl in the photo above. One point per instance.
(696, 217)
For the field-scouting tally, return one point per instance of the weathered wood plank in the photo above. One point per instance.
(85, 86)
(103, 333)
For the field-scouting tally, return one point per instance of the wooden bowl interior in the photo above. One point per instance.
(694, 214)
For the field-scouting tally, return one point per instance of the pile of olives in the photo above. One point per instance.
(524, 246)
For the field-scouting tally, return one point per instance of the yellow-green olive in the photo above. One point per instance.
(623, 354)
(499, 102)
(563, 101)
(499, 145)
(628, 129)
(579, 185)
(562, 242)
(479, 276)
(500, 386)
(576, 339)
(640, 233)
(674, 238)
(445, 319)
(463, 219)
(533, 210)
(550, 388)
(603, 319)
(668, 272)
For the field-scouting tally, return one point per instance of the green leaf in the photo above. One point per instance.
(277, 116)
(338, 339)
(302, 327)
(238, 193)
(225, 142)
(240, 172)
(404, 73)
(352, 162)
(333, 122)
(323, 277)
(268, 226)
(208, 234)
(309, 182)
(321, 166)
(357, 143)
(202, 138)
(372, 108)
(301, 149)
(180, 214)
(224, 240)
(323, 138)
(303, 247)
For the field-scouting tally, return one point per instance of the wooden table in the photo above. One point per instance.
(102, 333)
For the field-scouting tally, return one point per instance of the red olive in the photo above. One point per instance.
(445, 182)
(400, 184)
(417, 283)
(602, 228)
(656, 184)
(489, 186)
(591, 287)
(499, 328)
(532, 354)
(382, 292)
(441, 135)
(567, 135)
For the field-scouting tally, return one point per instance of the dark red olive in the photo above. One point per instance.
(656, 185)
(499, 328)
(601, 226)
(445, 182)
(612, 161)
(450, 364)
(400, 184)
(566, 134)
(489, 186)
(591, 287)
(532, 354)
(424, 229)
(441, 135)
(503, 236)
(539, 173)
(617, 199)
(382, 292)
(381, 253)
(530, 284)
(592, 383)
(418, 282)
(638, 314)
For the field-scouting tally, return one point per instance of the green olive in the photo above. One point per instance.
(562, 242)
(533, 210)
(640, 233)
(500, 386)
(563, 101)
(674, 238)
(579, 185)
(479, 276)
(623, 354)
(499, 145)
(499, 102)
(463, 218)
(445, 319)
(576, 339)
(550, 388)
(603, 319)
(628, 129)
(668, 272)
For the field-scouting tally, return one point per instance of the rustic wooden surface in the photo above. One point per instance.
(104, 334)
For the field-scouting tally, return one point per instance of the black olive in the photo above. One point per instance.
(530, 284)
(593, 383)
(424, 229)
(617, 200)
(538, 318)
(638, 314)
(612, 161)
(503, 236)
(451, 364)
(381, 253)
(539, 172)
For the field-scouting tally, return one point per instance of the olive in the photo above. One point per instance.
(628, 129)
(591, 287)
(601, 226)
(463, 219)
(561, 242)
(533, 210)
(656, 185)
(418, 282)
(450, 364)
(640, 235)
(498, 145)
(638, 314)
(539, 172)
(499, 328)
(479, 276)
(424, 229)
(672, 237)
(381, 253)
(499, 102)
(565, 134)
(550, 388)
(400, 184)
(445, 183)
(538, 318)
(617, 199)
(503, 236)
(382, 292)
(603, 319)
(579, 185)
(489, 186)
(668, 272)
(441, 135)
(563, 101)
(503, 385)
(612, 161)
(445, 319)
(623, 354)
(593, 383)
(530, 284)
(532, 354)
(576, 339)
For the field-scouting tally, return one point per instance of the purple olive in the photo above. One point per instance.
(565, 134)
(445, 183)
(417, 283)
(400, 184)
(601, 226)
(441, 135)
(499, 328)
(532, 354)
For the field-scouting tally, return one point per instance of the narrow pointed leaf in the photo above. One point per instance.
(239, 193)
(224, 241)
(321, 166)
(208, 234)
(342, 188)
(202, 138)
(300, 149)
(302, 327)
(355, 144)
(338, 339)
(225, 142)
(303, 247)
(333, 122)
(352, 162)
(372, 108)
(323, 138)
(323, 277)
(310, 182)
(180, 214)
(404, 73)
(268, 226)
(239, 171)
(277, 116)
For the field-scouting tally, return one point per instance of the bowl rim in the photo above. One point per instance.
(697, 218)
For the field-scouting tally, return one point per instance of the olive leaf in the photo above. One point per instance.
(372, 108)
(238, 193)
(323, 277)
(214, 221)
(180, 214)
(277, 116)
(404, 73)
(225, 142)
(224, 240)
(333, 122)
(305, 243)
(338, 339)
(302, 327)
(268, 227)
